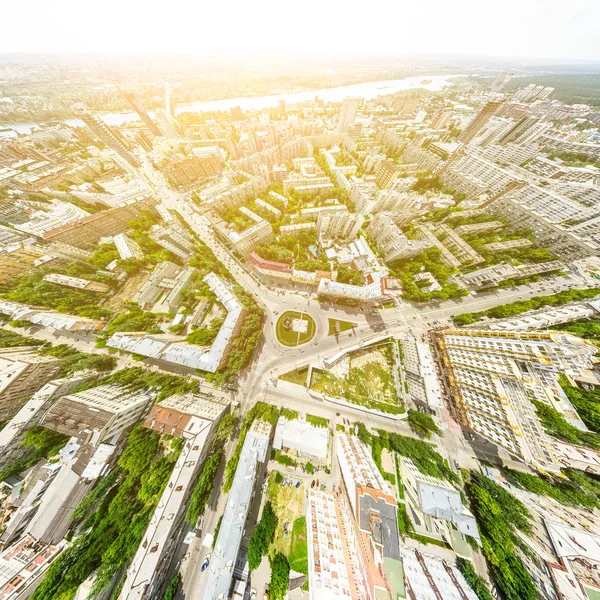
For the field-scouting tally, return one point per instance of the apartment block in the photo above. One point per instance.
(478, 227)
(339, 224)
(457, 246)
(161, 292)
(126, 247)
(495, 274)
(386, 174)
(220, 575)
(390, 240)
(22, 373)
(194, 419)
(97, 414)
(495, 376)
(175, 239)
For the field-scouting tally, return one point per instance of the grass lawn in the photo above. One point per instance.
(287, 336)
(287, 504)
(297, 376)
(369, 381)
(298, 558)
(336, 326)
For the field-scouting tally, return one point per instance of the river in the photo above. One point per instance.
(367, 90)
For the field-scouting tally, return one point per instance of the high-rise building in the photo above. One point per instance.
(484, 115)
(112, 138)
(97, 414)
(339, 224)
(22, 373)
(144, 116)
(347, 114)
(387, 172)
(501, 82)
(495, 377)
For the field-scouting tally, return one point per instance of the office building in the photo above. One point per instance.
(302, 437)
(495, 376)
(348, 114)
(480, 119)
(22, 373)
(390, 240)
(97, 414)
(110, 136)
(175, 239)
(195, 420)
(219, 577)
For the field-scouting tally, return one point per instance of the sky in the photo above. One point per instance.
(567, 29)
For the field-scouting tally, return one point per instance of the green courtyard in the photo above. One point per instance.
(294, 328)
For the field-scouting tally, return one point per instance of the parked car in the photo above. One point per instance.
(205, 563)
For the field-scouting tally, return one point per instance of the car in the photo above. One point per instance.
(205, 563)
(252, 594)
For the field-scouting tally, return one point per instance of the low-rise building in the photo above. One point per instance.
(377, 289)
(302, 437)
(77, 283)
(97, 414)
(126, 247)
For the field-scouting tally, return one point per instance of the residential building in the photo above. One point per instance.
(479, 120)
(77, 283)
(348, 114)
(111, 137)
(192, 170)
(219, 577)
(333, 553)
(49, 318)
(194, 419)
(508, 245)
(478, 227)
(338, 224)
(377, 289)
(259, 232)
(22, 373)
(386, 174)
(161, 292)
(270, 268)
(126, 247)
(174, 349)
(500, 82)
(390, 240)
(175, 239)
(16, 260)
(495, 376)
(374, 525)
(97, 414)
(457, 246)
(23, 565)
(490, 276)
(435, 507)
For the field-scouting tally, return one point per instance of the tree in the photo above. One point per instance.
(262, 535)
(422, 423)
(280, 577)
(203, 488)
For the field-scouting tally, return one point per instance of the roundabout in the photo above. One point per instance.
(295, 328)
